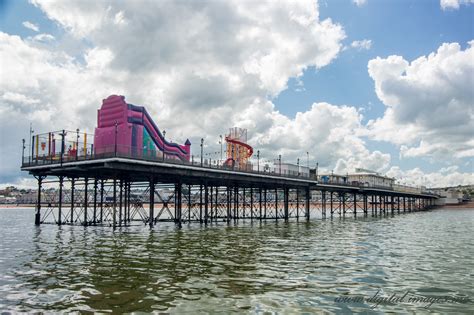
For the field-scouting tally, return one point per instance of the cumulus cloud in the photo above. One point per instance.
(364, 44)
(44, 87)
(454, 4)
(198, 67)
(359, 3)
(44, 37)
(429, 102)
(185, 62)
(329, 133)
(31, 26)
(445, 177)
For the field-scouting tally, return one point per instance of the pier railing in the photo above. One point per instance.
(119, 151)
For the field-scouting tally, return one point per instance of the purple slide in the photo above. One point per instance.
(137, 134)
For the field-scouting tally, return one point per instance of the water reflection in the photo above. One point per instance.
(251, 267)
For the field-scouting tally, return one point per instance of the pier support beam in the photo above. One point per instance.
(200, 203)
(265, 203)
(73, 188)
(343, 203)
(114, 210)
(86, 199)
(251, 203)
(244, 204)
(323, 201)
(152, 203)
(216, 205)
(229, 204)
(128, 188)
(308, 198)
(206, 203)
(189, 203)
(331, 203)
(60, 205)
(38, 201)
(94, 220)
(276, 204)
(286, 201)
(392, 204)
(297, 204)
(373, 206)
(355, 204)
(101, 215)
(236, 203)
(178, 204)
(120, 202)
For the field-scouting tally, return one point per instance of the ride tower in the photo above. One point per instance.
(238, 151)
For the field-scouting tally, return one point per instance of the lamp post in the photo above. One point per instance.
(307, 159)
(30, 145)
(77, 143)
(62, 134)
(23, 151)
(164, 139)
(279, 163)
(258, 161)
(298, 165)
(202, 142)
(116, 130)
(220, 142)
(316, 171)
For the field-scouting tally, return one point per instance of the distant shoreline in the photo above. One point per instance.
(469, 204)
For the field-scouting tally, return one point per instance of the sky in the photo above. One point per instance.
(383, 85)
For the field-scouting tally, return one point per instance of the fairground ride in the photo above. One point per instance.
(238, 151)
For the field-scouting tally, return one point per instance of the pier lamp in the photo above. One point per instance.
(298, 165)
(202, 143)
(77, 143)
(316, 171)
(23, 151)
(62, 134)
(164, 139)
(307, 159)
(220, 142)
(279, 163)
(258, 161)
(30, 144)
(116, 130)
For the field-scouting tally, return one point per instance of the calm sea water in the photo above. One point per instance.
(304, 267)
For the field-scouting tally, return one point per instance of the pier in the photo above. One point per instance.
(119, 190)
(131, 173)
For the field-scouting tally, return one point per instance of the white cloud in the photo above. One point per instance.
(445, 177)
(359, 3)
(31, 26)
(185, 62)
(44, 37)
(331, 135)
(198, 67)
(429, 102)
(364, 44)
(46, 87)
(454, 4)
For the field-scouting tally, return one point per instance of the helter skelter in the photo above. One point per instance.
(238, 151)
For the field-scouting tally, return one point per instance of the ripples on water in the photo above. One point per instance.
(277, 267)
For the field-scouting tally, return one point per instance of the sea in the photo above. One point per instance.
(419, 262)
